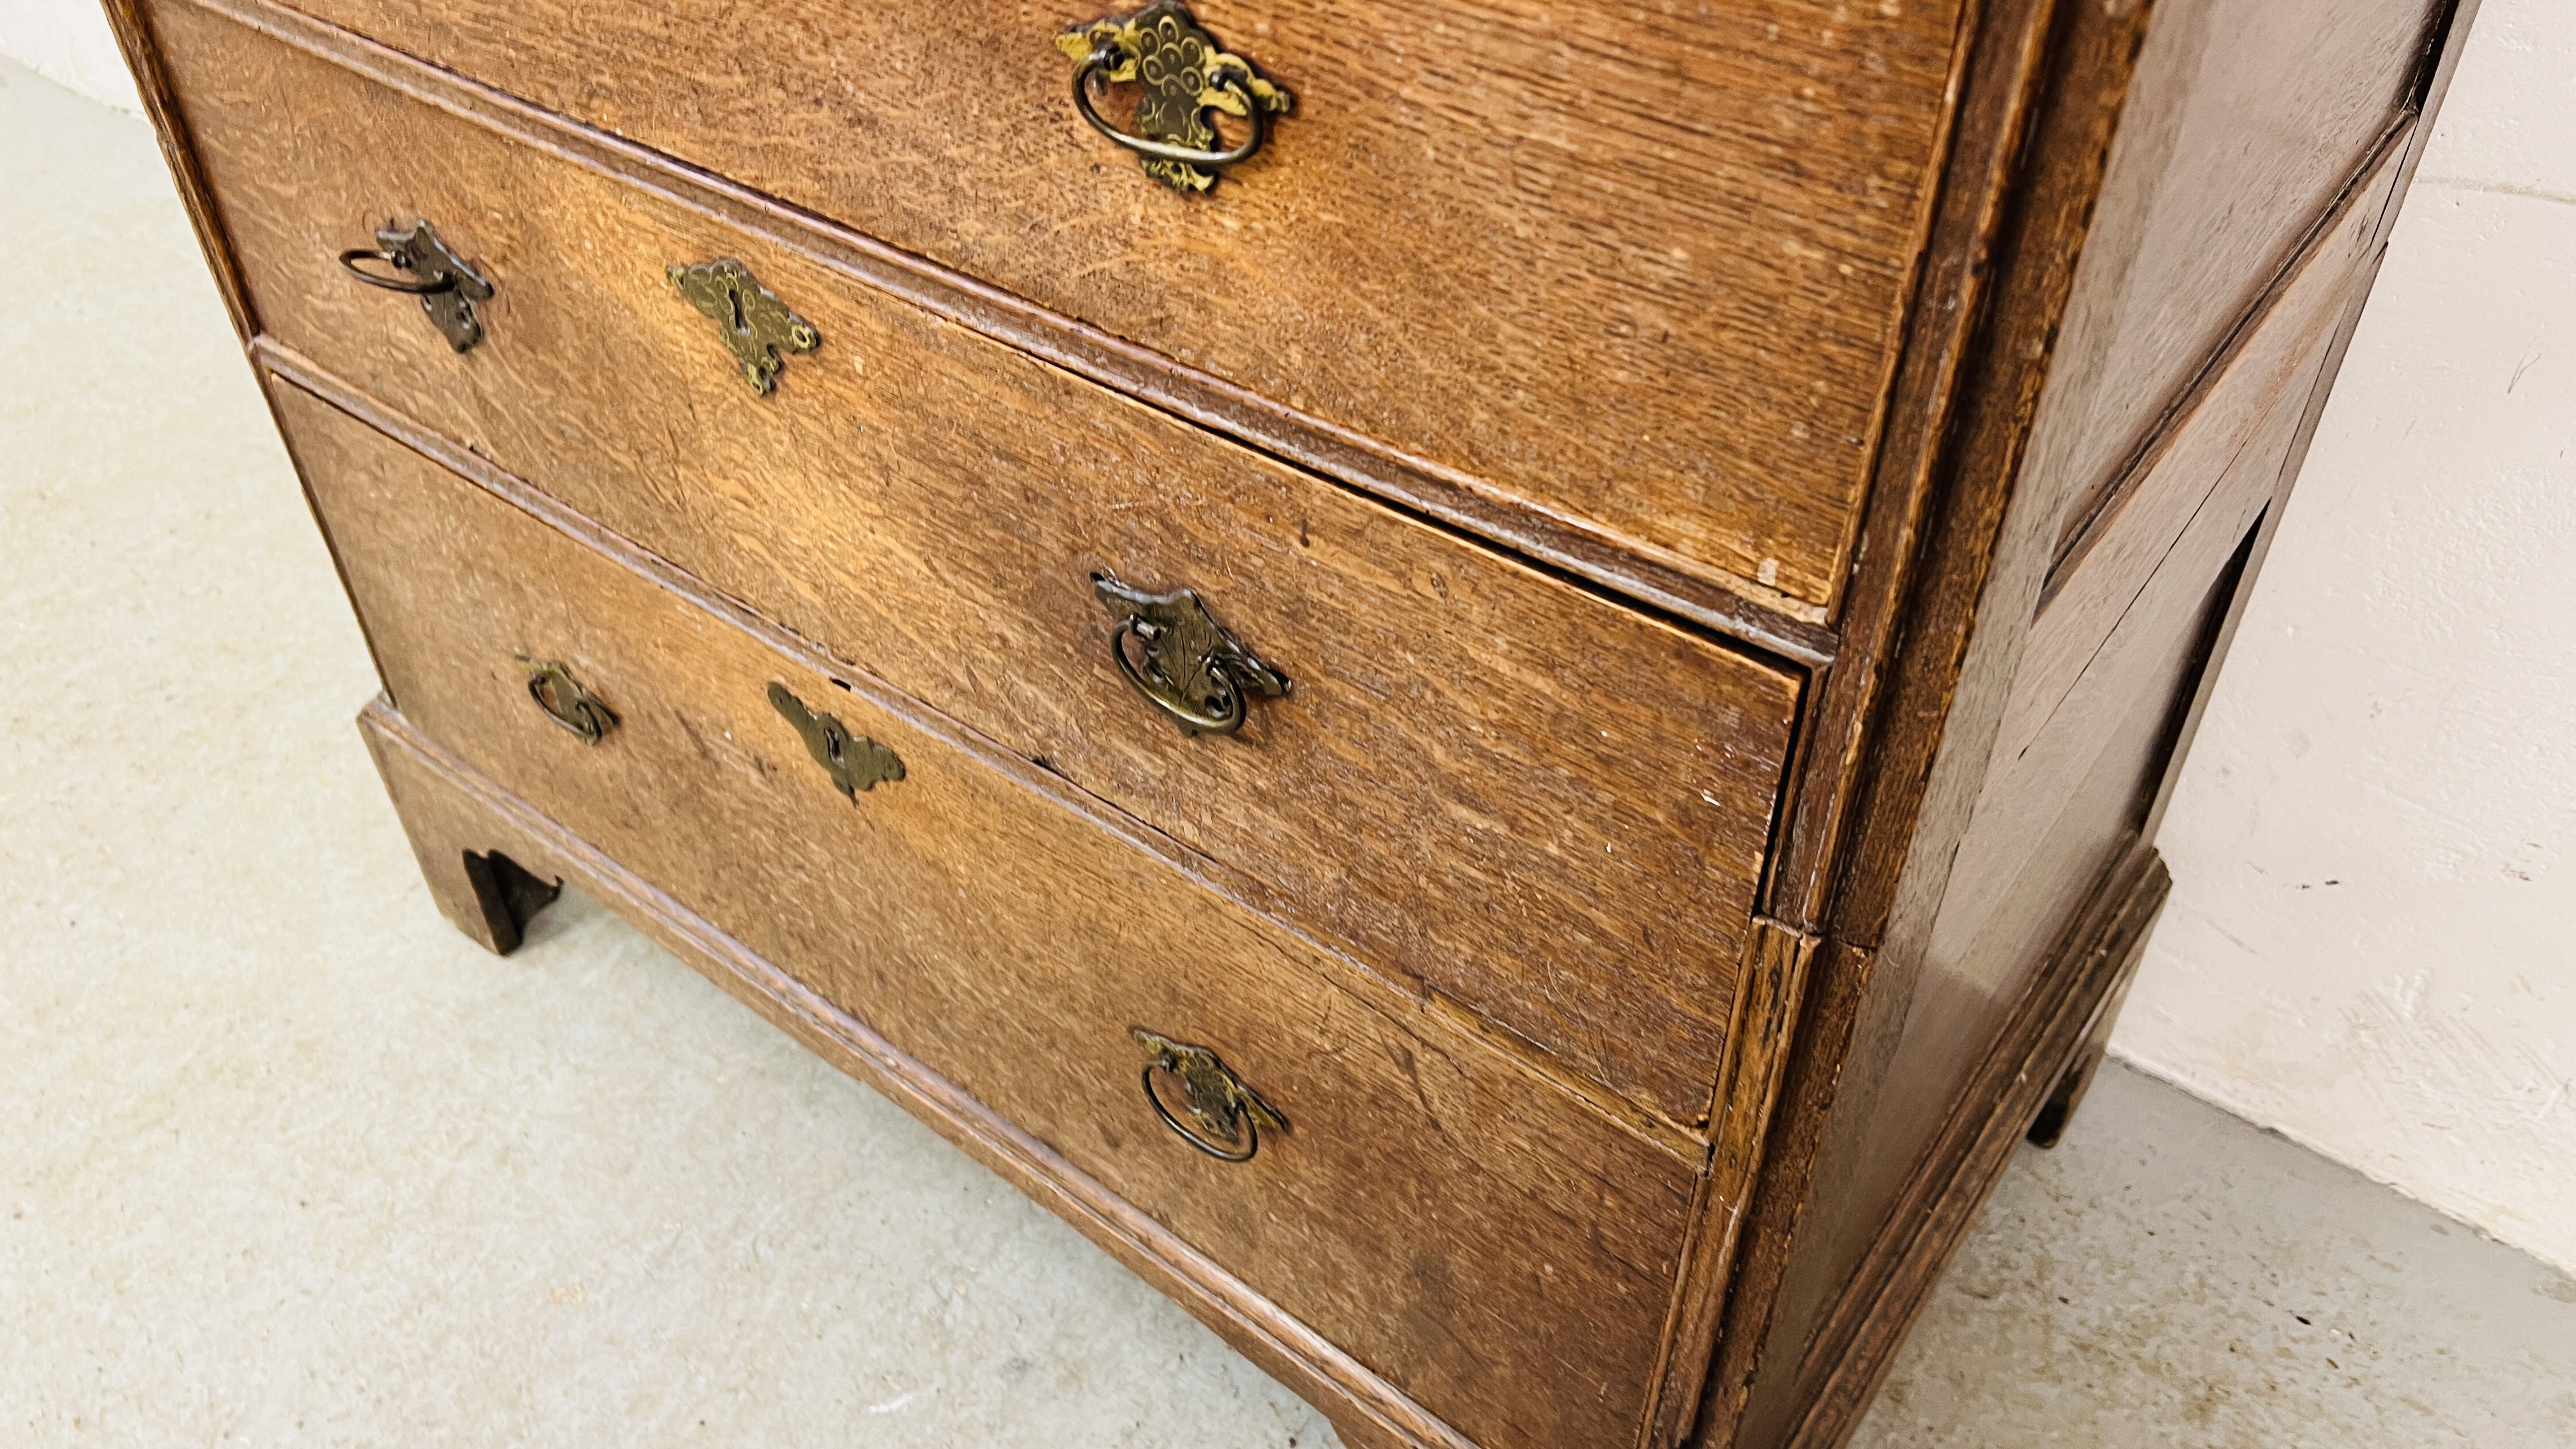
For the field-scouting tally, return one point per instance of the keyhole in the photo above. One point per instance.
(740, 323)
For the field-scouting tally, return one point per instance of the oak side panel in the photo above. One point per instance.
(2088, 968)
(2080, 743)
(1892, 891)
(2010, 169)
(2249, 118)
(141, 51)
(2237, 437)
(1428, 1205)
(1638, 267)
(2046, 825)
(2460, 16)
(1486, 781)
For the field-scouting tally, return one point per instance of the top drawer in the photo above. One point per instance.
(1634, 268)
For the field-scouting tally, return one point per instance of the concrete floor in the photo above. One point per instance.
(287, 1161)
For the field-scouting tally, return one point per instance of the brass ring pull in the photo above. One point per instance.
(566, 702)
(1174, 654)
(446, 285)
(414, 286)
(1228, 1114)
(1107, 58)
(1224, 719)
(1184, 76)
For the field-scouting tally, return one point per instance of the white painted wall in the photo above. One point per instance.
(68, 42)
(2372, 941)
(2372, 946)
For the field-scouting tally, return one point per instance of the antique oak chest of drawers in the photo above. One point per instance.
(1486, 683)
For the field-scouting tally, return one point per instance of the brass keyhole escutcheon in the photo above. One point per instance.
(1182, 75)
(854, 762)
(566, 701)
(1225, 1116)
(1175, 654)
(446, 285)
(757, 328)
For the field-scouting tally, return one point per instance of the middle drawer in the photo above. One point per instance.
(1549, 807)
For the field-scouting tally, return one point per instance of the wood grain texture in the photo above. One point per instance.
(143, 57)
(2048, 821)
(1641, 268)
(1775, 979)
(2452, 29)
(2328, 257)
(2090, 962)
(1892, 868)
(2252, 116)
(2068, 65)
(2245, 412)
(1838, 983)
(448, 809)
(1713, 1113)
(2105, 653)
(2004, 72)
(2078, 744)
(1551, 809)
(1720, 602)
(1428, 1205)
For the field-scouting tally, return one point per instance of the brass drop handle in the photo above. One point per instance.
(1225, 92)
(446, 285)
(415, 286)
(1169, 648)
(566, 701)
(1228, 1115)
(853, 762)
(1184, 76)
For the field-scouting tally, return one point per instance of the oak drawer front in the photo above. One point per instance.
(1429, 1202)
(1550, 808)
(1640, 268)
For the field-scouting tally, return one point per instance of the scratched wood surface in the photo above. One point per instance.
(1429, 1204)
(1550, 808)
(2081, 737)
(2045, 102)
(2233, 214)
(2253, 117)
(2088, 966)
(1641, 267)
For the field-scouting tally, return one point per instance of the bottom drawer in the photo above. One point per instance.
(1490, 1247)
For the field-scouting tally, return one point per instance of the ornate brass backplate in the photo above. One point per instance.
(756, 326)
(1227, 1114)
(1181, 660)
(1184, 76)
(447, 287)
(854, 762)
(566, 701)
